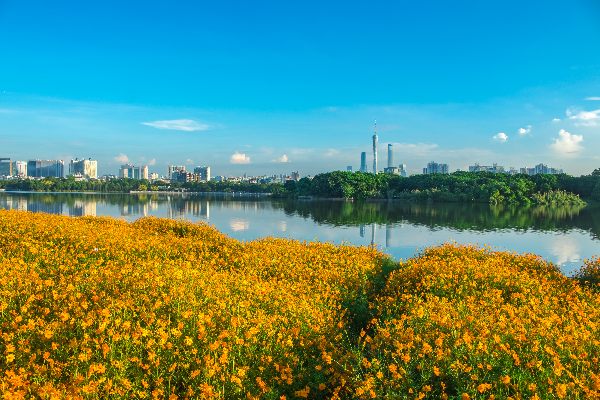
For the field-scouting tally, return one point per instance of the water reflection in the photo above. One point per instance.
(475, 217)
(560, 234)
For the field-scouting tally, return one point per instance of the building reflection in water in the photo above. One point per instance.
(82, 209)
(19, 203)
(134, 209)
(177, 208)
(388, 235)
(362, 230)
(374, 227)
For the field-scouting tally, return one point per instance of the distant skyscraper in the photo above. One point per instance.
(131, 172)
(19, 168)
(375, 149)
(204, 173)
(435, 168)
(390, 155)
(174, 170)
(363, 161)
(43, 168)
(6, 166)
(86, 168)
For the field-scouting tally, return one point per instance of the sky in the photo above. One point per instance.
(275, 87)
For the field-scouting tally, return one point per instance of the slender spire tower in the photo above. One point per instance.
(375, 149)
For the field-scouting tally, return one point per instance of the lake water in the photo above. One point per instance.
(564, 235)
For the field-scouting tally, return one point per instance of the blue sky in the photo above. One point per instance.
(244, 86)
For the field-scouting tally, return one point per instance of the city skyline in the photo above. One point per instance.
(279, 87)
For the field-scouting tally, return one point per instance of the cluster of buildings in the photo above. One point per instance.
(82, 169)
(391, 168)
(495, 168)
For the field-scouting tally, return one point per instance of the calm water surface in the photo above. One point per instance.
(564, 235)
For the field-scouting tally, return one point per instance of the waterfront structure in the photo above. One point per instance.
(375, 149)
(87, 169)
(6, 167)
(349, 168)
(42, 168)
(174, 169)
(435, 168)
(363, 161)
(204, 172)
(153, 177)
(131, 172)
(390, 155)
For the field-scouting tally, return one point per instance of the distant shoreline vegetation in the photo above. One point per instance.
(458, 187)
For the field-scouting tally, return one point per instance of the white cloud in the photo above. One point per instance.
(331, 152)
(588, 118)
(189, 161)
(152, 162)
(592, 98)
(523, 131)
(567, 144)
(501, 137)
(281, 159)
(178, 124)
(556, 120)
(122, 158)
(238, 158)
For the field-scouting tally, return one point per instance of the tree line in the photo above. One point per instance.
(462, 187)
(480, 187)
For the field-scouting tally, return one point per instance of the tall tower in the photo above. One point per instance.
(390, 155)
(375, 149)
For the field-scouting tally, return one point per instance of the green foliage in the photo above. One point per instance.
(473, 187)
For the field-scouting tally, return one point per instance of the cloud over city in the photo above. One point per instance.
(152, 162)
(501, 137)
(122, 158)
(238, 158)
(281, 159)
(586, 118)
(567, 144)
(188, 125)
(523, 131)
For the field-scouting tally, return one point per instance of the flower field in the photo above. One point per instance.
(165, 309)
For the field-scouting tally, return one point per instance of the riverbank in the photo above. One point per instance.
(116, 309)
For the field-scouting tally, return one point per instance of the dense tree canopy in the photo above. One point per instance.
(462, 187)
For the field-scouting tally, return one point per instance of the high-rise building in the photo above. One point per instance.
(87, 169)
(390, 155)
(349, 168)
(44, 168)
(435, 168)
(6, 167)
(19, 168)
(131, 172)
(296, 175)
(204, 173)
(402, 168)
(174, 169)
(363, 161)
(375, 149)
